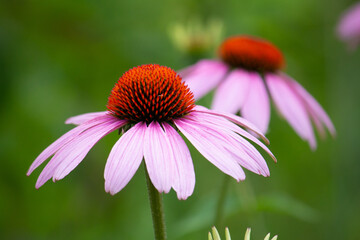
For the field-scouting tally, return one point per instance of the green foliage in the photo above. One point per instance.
(61, 58)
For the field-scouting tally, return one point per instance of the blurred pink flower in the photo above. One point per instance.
(153, 103)
(348, 28)
(250, 68)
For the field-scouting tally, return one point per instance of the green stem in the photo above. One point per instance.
(157, 210)
(219, 216)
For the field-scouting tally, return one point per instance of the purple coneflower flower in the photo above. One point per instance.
(248, 70)
(348, 28)
(150, 104)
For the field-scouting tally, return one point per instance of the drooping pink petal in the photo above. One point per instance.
(232, 91)
(79, 119)
(318, 114)
(72, 154)
(349, 26)
(256, 107)
(291, 107)
(250, 155)
(210, 144)
(245, 153)
(157, 153)
(239, 151)
(228, 125)
(318, 124)
(183, 180)
(236, 119)
(55, 146)
(124, 159)
(203, 76)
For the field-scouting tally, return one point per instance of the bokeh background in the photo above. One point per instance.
(60, 58)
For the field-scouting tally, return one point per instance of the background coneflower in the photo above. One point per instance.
(249, 68)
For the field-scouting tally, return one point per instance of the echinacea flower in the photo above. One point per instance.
(149, 105)
(250, 68)
(348, 29)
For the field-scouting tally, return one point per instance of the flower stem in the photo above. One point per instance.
(219, 215)
(157, 210)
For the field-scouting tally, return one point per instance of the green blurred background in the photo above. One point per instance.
(61, 58)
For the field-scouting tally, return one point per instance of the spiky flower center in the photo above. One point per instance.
(252, 54)
(150, 93)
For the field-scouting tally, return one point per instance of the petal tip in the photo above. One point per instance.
(241, 179)
(57, 178)
(38, 185)
(182, 197)
(333, 134)
(110, 189)
(30, 170)
(313, 146)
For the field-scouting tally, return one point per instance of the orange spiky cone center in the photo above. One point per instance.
(252, 54)
(150, 93)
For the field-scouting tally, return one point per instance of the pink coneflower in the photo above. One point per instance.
(150, 104)
(248, 70)
(348, 28)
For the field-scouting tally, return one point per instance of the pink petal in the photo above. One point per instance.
(203, 76)
(256, 106)
(210, 144)
(227, 125)
(124, 159)
(157, 153)
(236, 119)
(55, 146)
(291, 107)
(349, 26)
(245, 154)
(251, 157)
(184, 176)
(74, 152)
(314, 108)
(79, 119)
(232, 92)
